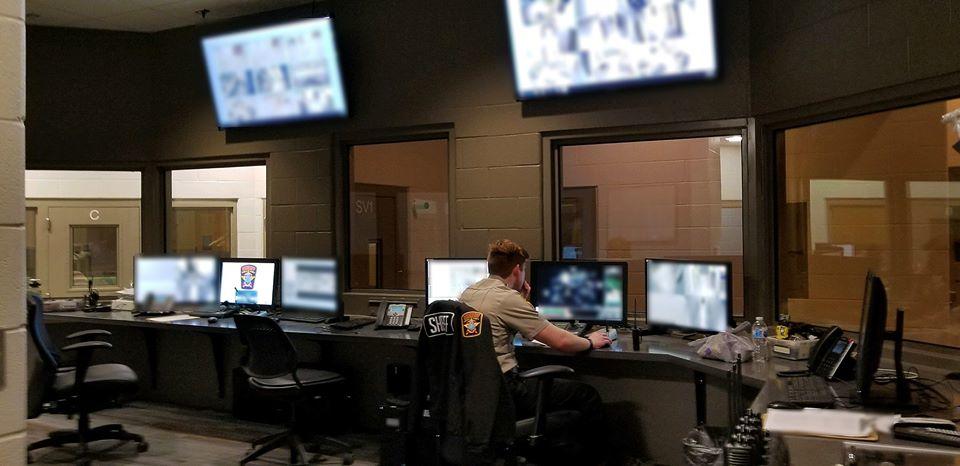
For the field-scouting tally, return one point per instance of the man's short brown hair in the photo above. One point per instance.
(503, 256)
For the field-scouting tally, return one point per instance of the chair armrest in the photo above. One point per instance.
(87, 334)
(546, 371)
(87, 345)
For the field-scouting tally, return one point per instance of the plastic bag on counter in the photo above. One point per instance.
(725, 346)
(699, 449)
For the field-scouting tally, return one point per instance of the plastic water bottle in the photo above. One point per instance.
(759, 340)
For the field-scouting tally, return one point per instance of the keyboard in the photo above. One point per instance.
(210, 312)
(946, 436)
(809, 391)
(355, 322)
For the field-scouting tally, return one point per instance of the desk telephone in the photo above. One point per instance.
(830, 354)
(394, 314)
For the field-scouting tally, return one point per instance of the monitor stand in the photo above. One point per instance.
(582, 329)
(648, 330)
(900, 403)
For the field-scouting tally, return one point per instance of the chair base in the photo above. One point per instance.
(61, 438)
(298, 450)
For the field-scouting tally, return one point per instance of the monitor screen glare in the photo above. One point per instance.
(179, 279)
(688, 295)
(564, 46)
(448, 278)
(280, 73)
(310, 284)
(248, 282)
(584, 291)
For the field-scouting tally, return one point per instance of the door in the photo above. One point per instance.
(578, 232)
(203, 226)
(91, 241)
(378, 234)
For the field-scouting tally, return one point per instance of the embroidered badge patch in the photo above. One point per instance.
(437, 324)
(471, 324)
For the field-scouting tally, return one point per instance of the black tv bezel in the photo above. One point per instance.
(624, 288)
(276, 281)
(646, 294)
(426, 271)
(217, 272)
(276, 121)
(597, 89)
(338, 310)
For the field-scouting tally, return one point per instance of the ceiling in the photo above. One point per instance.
(142, 15)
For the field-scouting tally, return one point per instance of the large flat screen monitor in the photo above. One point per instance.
(567, 46)
(873, 321)
(448, 278)
(281, 73)
(592, 292)
(309, 285)
(177, 279)
(689, 295)
(249, 282)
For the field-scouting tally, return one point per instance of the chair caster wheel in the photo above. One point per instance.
(347, 459)
(142, 447)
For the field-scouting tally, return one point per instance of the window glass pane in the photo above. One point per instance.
(203, 201)
(31, 243)
(399, 212)
(204, 230)
(876, 192)
(94, 255)
(676, 199)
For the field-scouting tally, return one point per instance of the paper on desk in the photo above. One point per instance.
(172, 318)
(826, 423)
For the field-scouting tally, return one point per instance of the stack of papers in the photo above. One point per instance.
(833, 423)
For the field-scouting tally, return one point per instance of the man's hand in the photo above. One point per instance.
(599, 339)
(525, 290)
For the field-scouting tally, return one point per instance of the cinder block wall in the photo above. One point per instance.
(12, 258)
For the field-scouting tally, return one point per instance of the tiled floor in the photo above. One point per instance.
(178, 436)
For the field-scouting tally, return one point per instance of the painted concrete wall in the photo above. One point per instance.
(12, 261)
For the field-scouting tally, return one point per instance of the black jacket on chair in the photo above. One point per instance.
(461, 386)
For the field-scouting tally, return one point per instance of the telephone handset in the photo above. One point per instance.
(830, 353)
(394, 314)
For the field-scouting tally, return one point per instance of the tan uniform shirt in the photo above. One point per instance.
(508, 312)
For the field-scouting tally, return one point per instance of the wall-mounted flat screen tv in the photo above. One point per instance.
(281, 73)
(567, 46)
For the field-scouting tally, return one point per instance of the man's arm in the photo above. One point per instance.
(562, 340)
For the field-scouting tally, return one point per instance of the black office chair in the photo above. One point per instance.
(76, 390)
(472, 418)
(272, 365)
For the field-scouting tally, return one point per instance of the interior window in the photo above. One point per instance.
(876, 192)
(398, 212)
(673, 199)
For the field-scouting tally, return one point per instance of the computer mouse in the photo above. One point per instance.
(783, 405)
(212, 320)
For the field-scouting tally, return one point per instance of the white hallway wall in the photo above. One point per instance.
(246, 185)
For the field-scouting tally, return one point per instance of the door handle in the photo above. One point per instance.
(49, 224)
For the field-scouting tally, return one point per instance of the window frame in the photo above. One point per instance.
(341, 144)
(757, 291)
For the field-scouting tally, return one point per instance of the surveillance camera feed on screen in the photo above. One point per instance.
(688, 295)
(177, 279)
(309, 284)
(583, 291)
(448, 278)
(248, 282)
(563, 46)
(280, 73)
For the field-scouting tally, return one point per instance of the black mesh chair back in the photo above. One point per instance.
(271, 353)
(38, 331)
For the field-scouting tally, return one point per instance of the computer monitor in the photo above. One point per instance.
(590, 292)
(873, 322)
(689, 295)
(249, 282)
(447, 278)
(309, 285)
(176, 279)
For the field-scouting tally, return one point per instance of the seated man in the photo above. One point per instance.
(503, 298)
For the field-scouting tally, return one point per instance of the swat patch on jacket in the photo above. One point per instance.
(471, 324)
(438, 324)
